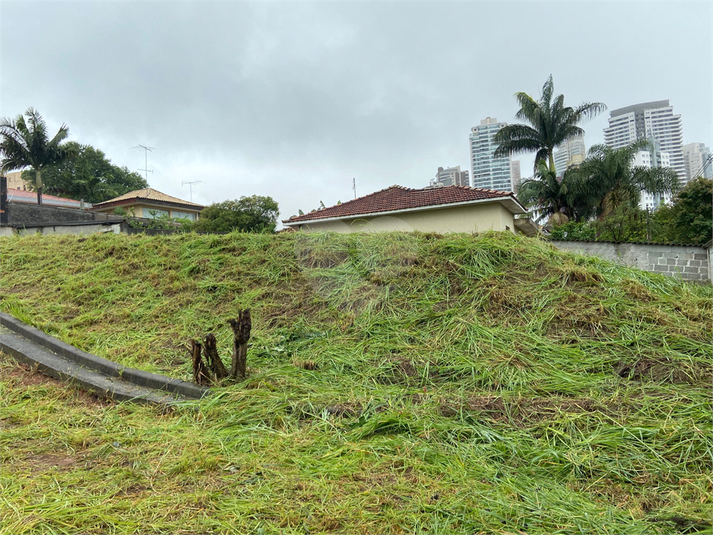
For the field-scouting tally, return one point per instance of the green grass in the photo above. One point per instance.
(462, 385)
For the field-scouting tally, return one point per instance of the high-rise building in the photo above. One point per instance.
(451, 176)
(694, 158)
(649, 159)
(570, 153)
(651, 120)
(515, 175)
(488, 171)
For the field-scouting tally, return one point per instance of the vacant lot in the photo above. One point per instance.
(398, 383)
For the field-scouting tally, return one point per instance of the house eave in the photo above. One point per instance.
(148, 202)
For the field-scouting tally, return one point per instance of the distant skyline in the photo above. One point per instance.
(294, 100)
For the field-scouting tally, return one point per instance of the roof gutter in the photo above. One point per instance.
(501, 200)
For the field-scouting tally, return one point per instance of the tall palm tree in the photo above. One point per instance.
(550, 124)
(25, 144)
(611, 176)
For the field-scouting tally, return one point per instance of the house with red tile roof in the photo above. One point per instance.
(434, 209)
(150, 203)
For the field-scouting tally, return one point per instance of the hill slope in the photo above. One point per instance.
(525, 388)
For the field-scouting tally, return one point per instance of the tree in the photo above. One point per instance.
(25, 144)
(559, 199)
(248, 214)
(610, 177)
(550, 124)
(88, 174)
(688, 219)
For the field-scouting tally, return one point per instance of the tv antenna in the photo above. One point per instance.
(354, 186)
(190, 186)
(146, 159)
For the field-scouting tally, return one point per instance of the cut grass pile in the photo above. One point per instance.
(398, 383)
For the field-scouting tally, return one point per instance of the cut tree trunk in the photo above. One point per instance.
(241, 335)
(201, 374)
(210, 350)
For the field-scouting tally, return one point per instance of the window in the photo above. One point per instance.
(153, 213)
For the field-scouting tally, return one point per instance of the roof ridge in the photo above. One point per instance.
(350, 200)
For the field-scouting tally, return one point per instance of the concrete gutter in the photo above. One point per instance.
(61, 360)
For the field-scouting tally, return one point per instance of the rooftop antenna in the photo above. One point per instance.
(146, 159)
(190, 186)
(354, 186)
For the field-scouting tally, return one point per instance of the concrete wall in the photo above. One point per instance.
(33, 214)
(80, 230)
(686, 262)
(477, 218)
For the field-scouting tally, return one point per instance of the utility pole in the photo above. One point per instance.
(190, 186)
(354, 187)
(146, 159)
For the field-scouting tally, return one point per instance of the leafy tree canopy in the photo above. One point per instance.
(247, 214)
(689, 219)
(88, 174)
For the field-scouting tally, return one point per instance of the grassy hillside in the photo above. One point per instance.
(398, 383)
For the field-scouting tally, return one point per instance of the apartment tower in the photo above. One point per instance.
(488, 171)
(694, 158)
(451, 176)
(652, 120)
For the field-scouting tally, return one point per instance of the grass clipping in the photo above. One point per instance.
(395, 383)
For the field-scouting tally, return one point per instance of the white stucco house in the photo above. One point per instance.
(434, 209)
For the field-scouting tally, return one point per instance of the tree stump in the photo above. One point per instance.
(201, 374)
(210, 350)
(241, 334)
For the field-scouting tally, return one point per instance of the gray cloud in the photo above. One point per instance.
(292, 100)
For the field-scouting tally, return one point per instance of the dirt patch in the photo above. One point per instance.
(47, 461)
(344, 409)
(658, 370)
(397, 370)
(519, 411)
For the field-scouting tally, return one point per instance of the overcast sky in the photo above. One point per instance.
(294, 99)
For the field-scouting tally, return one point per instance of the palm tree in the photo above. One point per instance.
(25, 144)
(551, 123)
(557, 199)
(611, 176)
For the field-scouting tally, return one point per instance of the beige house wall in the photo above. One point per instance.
(138, 210)
(469, 219)
(14, 181)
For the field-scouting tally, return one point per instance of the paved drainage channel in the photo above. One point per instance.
(63, 361)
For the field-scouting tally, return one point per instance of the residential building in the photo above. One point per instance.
(14, 181)
(569, 154)
(651, 120)
(450, 176)
(694, 158)
(488, 171)
(442, 209)
(652, 159)
(150, 204)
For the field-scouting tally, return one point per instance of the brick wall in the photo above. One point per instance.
(682, 261)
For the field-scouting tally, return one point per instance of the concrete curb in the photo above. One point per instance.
(84, 360)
